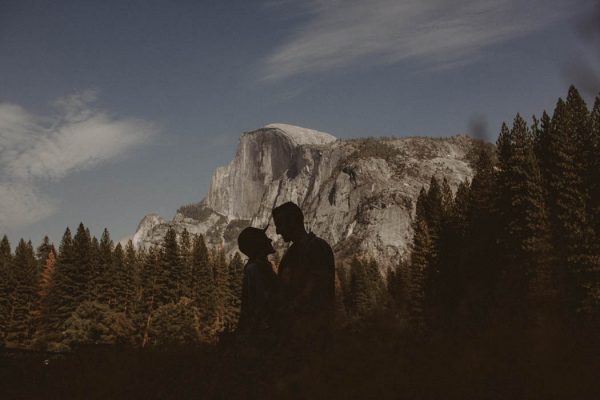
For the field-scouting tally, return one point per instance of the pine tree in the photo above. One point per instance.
(233, 303)
(149, 272)
(478, 271)
(46, 275)
(221, 278)
(185, 249)
(171, 269)
(420, 253)
(81, 264)
(595, 167)
(130, 278)
(24, 293)
(434, 218)
(204, 287)
(175, 325)
(102, 276)
(566, 201)
(358, 300)
(397, 286)
(526, 232)
(118, 301)
(93, 323)
(64, 296)
(5, 285)
(44, 284)
(42, 252)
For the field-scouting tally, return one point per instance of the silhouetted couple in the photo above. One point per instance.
(294, 307)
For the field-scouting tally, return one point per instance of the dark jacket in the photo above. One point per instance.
(307, 283)
(259, 288)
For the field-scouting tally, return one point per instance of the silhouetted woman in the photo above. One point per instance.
(259, 285)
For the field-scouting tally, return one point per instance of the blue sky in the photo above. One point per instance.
(111, 110)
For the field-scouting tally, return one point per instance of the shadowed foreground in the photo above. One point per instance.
(374, 359)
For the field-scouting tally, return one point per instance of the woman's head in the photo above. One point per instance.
(253, 242)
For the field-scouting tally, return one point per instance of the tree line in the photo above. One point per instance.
(92, 292)
(520, 242)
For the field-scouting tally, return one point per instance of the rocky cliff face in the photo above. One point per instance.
(357, 194)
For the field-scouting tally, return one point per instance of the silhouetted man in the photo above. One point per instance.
(306, 279)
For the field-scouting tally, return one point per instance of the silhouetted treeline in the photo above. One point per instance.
(520, 243)
(93, 292)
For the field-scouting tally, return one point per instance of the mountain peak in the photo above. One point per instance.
(300, 135)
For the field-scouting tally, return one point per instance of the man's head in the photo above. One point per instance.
(289, 221)
(253, 242)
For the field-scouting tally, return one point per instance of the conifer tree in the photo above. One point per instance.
(149, 288)
(24, 277)
(81, 264)
(169, 275)
(94, 269)
(594, 177)
(42, 252)
(396, 281)
(64, 296)
(526, 231)
(46, 275)
(433, 214)
(221, 278)
(102, 276)
(479, 269)
(358, 301)
(130, 278)
(204, 287)
(5, 284)
(175, 324)
(233, 303)
(185, 249)
(119, 282)
(420, 252)
(44, 283)
(566, 201)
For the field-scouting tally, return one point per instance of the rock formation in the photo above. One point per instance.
(358, 194)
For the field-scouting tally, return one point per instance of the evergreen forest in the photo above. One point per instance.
(499, 296)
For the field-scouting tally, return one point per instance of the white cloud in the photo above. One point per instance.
(35, 149)
(22, 204)
(436, 32)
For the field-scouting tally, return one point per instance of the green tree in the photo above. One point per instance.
(64, 294)
(81, 264)
(204, 287)
(131, 281)
(235, 271)
(527, 262)
(221, 277)
(149, 272)
(94, 323)
(170, 273)
(5, 285)
(24, 279)
(186, 280)
(420, 253)
(102, 275)
(42, 252)
(118, 300)
(175, 324)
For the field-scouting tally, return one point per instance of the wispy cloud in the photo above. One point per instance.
(35, 149)
(439, 33)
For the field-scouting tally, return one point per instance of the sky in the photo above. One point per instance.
(115, 109)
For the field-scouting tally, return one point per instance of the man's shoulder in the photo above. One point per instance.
(318, 248)
(316, 242)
